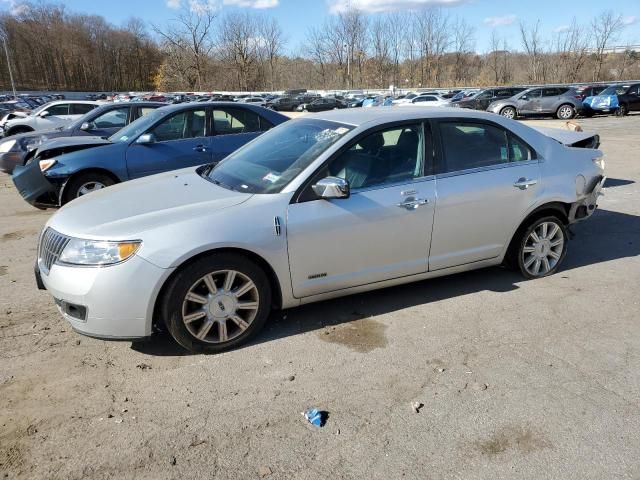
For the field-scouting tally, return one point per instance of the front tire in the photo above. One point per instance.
(508, 112)
(565, 112)
(542, 247)
(216, 303)
(84, 184)
(622, 110)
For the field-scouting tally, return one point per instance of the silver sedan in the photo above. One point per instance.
(322, 206)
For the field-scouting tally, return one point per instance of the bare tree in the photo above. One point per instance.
(606, 28)
(532, 44)
(188, 39)
(571, 52)
(239, 46)
(272, 42)
(380, 46)
(463, 44)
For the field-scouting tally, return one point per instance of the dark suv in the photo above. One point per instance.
(482, 99)
(284, 103)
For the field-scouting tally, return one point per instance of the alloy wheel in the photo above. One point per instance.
(90, 187)
(565, 112)
(220, 306)
(543, 249)
(508, 112)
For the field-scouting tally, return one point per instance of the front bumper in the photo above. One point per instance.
(34, 186)
(117, 302)
(10, 160)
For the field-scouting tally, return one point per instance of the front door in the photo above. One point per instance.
(485, 186)
(634, 98)
(382, 231)
(530, 103)
(178, 141)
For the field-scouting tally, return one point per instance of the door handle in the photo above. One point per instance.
(200, 148)
(524, 183)
(413, 204)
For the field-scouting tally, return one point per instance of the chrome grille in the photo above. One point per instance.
(51, 245)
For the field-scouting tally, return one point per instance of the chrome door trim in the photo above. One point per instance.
(486, 169)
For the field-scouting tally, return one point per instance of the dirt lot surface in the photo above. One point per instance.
(517, 379)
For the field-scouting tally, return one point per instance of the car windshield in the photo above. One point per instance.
(615, 90)
(136, 127)
(269, 163)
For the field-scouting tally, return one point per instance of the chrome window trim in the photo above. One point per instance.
(486, 169)
(426, 178)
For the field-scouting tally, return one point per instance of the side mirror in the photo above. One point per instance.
(43, 114)
(146, 139)
(87, 126)
(332, 187)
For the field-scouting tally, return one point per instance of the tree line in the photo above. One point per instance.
(201, 49)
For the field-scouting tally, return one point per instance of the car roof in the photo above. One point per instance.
(381, 115)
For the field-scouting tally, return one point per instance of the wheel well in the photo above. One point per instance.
(558, 209)
(19, 129)
(568, 104)
(84, 172)
(261, 262)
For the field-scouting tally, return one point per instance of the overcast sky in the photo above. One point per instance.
(296, 16)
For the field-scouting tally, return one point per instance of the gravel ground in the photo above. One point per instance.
(517, 379)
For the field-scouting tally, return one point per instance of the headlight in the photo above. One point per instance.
(47, 164)
(97, 252)
(6, 146)
(32, 143)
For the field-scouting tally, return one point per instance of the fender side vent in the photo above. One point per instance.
(277, 228)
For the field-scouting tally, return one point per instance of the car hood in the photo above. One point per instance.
(62, 142)
(128, 210)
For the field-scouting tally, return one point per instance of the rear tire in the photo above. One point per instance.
(84, 184)
(541, 247)
(216, 303)
(565, 112)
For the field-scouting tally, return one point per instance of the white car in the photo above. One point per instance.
(426, 101)
(50, 116)
(321, 206)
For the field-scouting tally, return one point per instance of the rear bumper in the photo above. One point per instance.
(584, 208)
(34, 187)
(10, 160)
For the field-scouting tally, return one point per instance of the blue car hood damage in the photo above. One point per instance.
(599, 102)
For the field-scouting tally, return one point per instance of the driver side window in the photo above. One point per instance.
(55, 110)
(383, 157)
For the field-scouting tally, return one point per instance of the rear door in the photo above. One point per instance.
(482, 101)
(486, 181)
(550, 99)
(232, 128)
(179, 140)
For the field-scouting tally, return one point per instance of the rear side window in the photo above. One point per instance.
(142, 111)
(475, 145)
(81, 109)
(56, 110)
(230, 121)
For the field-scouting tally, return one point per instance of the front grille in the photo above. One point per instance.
(51, 246)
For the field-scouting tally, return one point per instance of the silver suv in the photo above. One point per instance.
(321, 206)
(561, 102)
